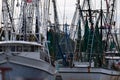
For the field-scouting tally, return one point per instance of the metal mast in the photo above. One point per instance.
(56, 21)
(78, 15)
(30, 22)
(38, 23)
(45, 18)
(7, 13)
(25, 21)
(77, 52)
(111, 24)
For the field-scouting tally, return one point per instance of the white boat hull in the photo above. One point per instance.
(20, 72)
(26, 68)
(85, 74)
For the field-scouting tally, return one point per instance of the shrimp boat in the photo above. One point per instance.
(23, 46)
(96, 52)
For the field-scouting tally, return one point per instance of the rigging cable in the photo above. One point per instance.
(64, 13)
(115, 30)
(59, 11)
(11, 18)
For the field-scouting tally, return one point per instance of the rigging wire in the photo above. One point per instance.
(59, 11)
(115, 24)
(116, 18)
(64, 13)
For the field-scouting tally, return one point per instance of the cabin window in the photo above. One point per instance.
(36, 48)
(26, 48)
(19, 48)
(1, 48)
(32, 49)
(13, 48)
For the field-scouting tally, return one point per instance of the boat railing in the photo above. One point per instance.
(23, 52)
(2, 52)
(39, 56)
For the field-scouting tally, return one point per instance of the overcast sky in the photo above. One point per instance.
(70, 8)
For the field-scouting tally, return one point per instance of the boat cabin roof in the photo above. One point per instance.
(112, 52)
(113, 58)
(20, 42)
